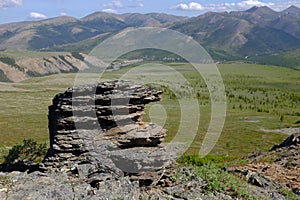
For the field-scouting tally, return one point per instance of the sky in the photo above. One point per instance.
(24, 10)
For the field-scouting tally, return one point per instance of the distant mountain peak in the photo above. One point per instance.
(260, 10)
(253, 9)
(292, 9)
(99, 15)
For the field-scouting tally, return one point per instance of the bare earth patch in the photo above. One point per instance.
(287, 131)
(287, 177)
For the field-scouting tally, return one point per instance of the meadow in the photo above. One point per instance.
(259, 98)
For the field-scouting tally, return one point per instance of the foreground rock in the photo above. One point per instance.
(60, 185)
(276, 169)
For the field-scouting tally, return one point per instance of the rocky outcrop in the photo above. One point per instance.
(278, 168)
(60, 185)
(292, 140)
(97, 133)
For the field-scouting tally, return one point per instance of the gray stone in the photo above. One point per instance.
(99, 130)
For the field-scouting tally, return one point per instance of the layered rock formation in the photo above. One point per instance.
(97, 133)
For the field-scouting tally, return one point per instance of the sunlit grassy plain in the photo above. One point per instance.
(259, 97)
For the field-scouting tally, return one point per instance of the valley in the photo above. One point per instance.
(259, 97)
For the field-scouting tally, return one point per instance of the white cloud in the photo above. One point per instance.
(114, 4)
(63, 14)
(237, 6)
(10, 3)
(243, 5)
(190, 6)
(110, 11)
(36, 15)
(251, 3)
(139, 5)
(117, 4)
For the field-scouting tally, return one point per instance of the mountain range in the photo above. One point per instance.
(245, 32)
(254, 32)
(49, 33)
(259, 34)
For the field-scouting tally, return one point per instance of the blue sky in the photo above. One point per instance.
(21, 10)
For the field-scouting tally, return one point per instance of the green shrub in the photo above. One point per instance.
(5, 180)
(209, 169)
(11, 61)
(3, 77)
(8, 60)
(221, 181)
(288, 193)
(3, 152)
(29, 150)
(78, 56)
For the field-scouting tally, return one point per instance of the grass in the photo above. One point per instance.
(287, 59)
(221, 181)
(289, 194)
(258, 97)
(24, 108)
(209, 169)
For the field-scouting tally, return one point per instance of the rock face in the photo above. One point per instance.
(97, 133)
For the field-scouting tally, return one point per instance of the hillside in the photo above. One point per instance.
(254, 32)
(18, 66)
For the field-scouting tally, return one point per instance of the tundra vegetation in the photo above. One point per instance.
(259, 98)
